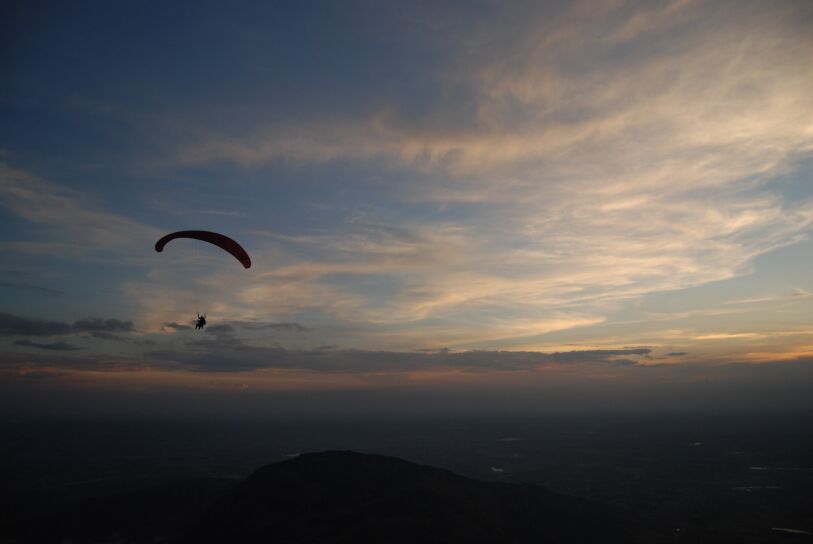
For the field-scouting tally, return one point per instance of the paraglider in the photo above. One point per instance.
(223, 242)
(220, 240)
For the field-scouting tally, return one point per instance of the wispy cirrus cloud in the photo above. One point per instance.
(601, 153)
(76, 225)
(588, 157)
(589, 93)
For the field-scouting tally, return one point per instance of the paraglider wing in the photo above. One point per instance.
(221, 241)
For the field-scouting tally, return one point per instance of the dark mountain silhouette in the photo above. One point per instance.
(330, 497)
(349, 497)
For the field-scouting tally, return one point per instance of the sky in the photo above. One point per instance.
(466, 206)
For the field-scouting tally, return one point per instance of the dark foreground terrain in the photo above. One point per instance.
(701, 479)
(342, 497)
(352, 497)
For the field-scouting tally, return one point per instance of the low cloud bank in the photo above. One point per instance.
(11, 325)
(229, 354)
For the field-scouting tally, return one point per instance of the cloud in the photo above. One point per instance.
(567, 164)
(584, 85)
(47, 291)
(229, 354)
(598, 355)
(232, 325)
(237, 356)
(97, 324)
(287, 327)
(77, 226)
(177, 326)
(604, 152)
(55, 346)
(101, 335)
(16, 325)
(108, 336)
(677, 354)
(220, 329)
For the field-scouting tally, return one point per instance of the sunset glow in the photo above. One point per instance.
(540, 204)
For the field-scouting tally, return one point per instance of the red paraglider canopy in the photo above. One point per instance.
(221, 241)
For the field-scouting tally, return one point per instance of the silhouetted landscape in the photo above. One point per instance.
(352, 497)
(507, 479)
